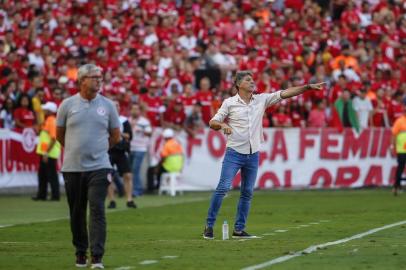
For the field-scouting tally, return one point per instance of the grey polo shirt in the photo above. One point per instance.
(87, 130)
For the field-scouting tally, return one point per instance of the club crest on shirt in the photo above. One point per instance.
(101, 111)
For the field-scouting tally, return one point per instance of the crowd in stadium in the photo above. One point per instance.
(177, 58)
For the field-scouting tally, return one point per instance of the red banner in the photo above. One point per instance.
(289, 158)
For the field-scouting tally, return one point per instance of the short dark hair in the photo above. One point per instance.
(241, 75)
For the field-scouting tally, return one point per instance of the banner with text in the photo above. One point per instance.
(289, 158)
(18, 160)
(298, 158)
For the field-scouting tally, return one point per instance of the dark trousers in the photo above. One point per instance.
(399, 171)
(47, 174)
(154, 177)
(81, 188)
(151, 179)
(119, 185)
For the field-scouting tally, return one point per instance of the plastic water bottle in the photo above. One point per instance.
(225, 230)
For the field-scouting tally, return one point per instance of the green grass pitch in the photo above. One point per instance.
(165, 232)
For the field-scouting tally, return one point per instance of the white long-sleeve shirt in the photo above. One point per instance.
(140, 142)
(245, 120)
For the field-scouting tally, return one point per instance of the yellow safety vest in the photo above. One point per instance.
(43, 144)
(173, 154)
(401, 142)
(173, 163)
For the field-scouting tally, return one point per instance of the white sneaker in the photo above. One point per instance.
(97, 263)
(81, 261)
(97, 266)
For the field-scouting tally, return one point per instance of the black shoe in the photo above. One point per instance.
(97, 263)
(38, 199)
(208, 233)
(242, 235)
(81, 261)
(112, 205)
(131, 204)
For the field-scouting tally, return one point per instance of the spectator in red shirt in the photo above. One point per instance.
(395, 107)
(189, 98)
(154, 105)
(57, 96)
(174, 117)
(338, 88)
(252, 62)
(350, 15)
(205, 97)
(380, 115)
(24, 115)
(297, 114)
(281, 118)
(317, 116)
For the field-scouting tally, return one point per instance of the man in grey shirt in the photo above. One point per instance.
(87, 125)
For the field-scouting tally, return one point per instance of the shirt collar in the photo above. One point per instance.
(239, 99)
(86, 100)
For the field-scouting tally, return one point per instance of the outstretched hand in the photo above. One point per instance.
(317, 86)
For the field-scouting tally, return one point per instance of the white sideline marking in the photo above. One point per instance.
(32, 222)
(148, 262)
(281, 231)
(304, 225)
(314, 223)
(169, 257)
(23, 243)
(268, 234)
(124, 268)
(312, 249)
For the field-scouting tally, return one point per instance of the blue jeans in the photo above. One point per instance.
(234, 161)
(137, 159)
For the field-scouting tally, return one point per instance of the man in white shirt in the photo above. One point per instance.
(244, 112)
(188, 41)
(348, 72)
(363, 106)
(151, 36)
(141, 128)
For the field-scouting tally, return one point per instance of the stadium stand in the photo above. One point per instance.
(157, 52)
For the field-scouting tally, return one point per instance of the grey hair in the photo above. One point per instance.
(241, 75)
(86, 69)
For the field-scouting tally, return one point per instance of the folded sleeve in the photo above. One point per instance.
(222, 113)
(273, 98)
